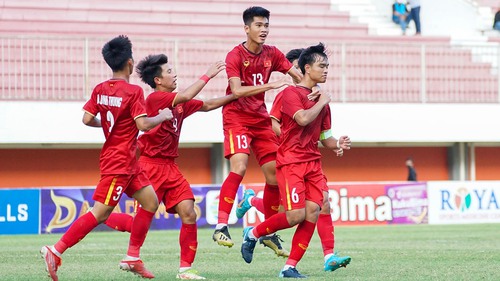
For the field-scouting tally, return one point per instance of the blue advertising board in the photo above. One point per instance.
(19, 211)
(62, 206)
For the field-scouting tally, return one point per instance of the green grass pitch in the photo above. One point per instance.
(418, 252)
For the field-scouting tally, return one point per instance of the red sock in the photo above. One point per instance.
(271, 225)
(325, 232)
(188, 239)
(120, 221)
(139, 230)
(228, 192)
(300, 242)
(258, 203)
(76, 232)
(271, 200)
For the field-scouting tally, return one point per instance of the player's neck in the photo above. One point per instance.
(121, 75)
(164, 89)
(307, 83)
(253, 46)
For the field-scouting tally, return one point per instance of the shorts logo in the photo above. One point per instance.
(275, 208)
(268, 230)
(267, 63)
(246, 63)
(193, 248)
(302, 246)
(229, 200)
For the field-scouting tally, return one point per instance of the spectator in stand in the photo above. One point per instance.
(496, 22)
(415, 14)
(400, 14)
(412, 173)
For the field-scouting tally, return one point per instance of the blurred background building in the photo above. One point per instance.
(434, 97)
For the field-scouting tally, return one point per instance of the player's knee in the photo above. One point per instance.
(189, 217)
(295, 217)
(150, 205)
(239, 168)
(101, 218)
(325, 209)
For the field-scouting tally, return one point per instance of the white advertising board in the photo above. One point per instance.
(457, 202)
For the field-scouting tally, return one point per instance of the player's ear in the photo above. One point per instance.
(247, 28)
(130, 64)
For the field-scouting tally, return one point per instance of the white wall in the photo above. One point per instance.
(59, 123)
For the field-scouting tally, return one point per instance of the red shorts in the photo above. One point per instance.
(261, 139)
(325, 187)
(110, 188)
(170, 185)
(300, 182)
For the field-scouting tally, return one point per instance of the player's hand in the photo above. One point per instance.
(339, 152)
(215, 68)
(324, 98)
(345, 142)
(280, 83)
(166, 113)
(316, 92)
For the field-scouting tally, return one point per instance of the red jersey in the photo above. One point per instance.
(300, 143)
(252, 69)
(119, 104)
(163, 140)
(276, 109)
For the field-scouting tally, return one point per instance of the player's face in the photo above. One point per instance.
(258, 30)
(318, 71)
(168, 77)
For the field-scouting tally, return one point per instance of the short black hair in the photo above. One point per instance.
(294, 54)
(117, 52)
(254, 11)
(150, 67)
(310, 55)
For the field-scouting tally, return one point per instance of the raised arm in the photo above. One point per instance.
(212, 104)
(245, 91)
(190, 92)
(296, 75)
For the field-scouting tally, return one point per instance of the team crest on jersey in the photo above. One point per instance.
(267, 63)
(179, 109)
(246, 63)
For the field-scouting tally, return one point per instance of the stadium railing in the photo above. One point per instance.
(66, 69)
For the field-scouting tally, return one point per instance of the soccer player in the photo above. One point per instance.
(324, 225)
(121, 107)
(300, 177)
(159, 148)
(246, 122)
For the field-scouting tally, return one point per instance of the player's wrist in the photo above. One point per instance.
(205, 78)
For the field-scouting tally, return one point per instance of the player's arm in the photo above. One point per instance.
(296, 75)
(245, 91)
(190, 92)
(276, 126)
(145, 123)
(90, 120)
(306, 116)
(337, 145)
(330, 142)
(212, 104)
